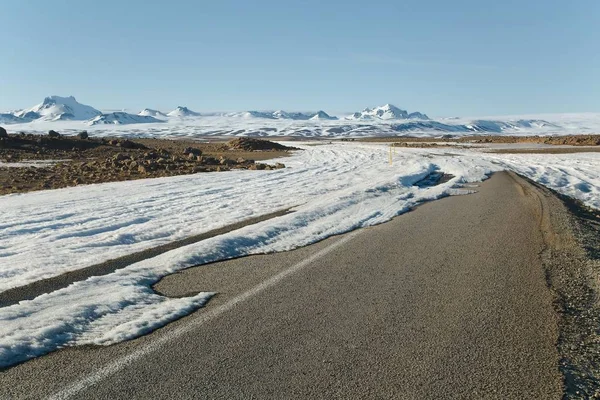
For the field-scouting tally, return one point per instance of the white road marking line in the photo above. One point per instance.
(203, 317)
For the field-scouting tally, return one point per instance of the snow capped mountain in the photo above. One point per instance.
(56, 108)
(322, 115)
(182, 112)
(69, 117)
(280, 114)
(417, 115)
(254, 114)
(148, 112)
(7, 118)
(386, 112)
(122, 118)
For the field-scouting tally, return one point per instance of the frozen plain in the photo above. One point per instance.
(331, 189)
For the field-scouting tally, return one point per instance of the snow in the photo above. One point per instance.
(308, 125)
(576, 175)
(122, 118)
(30, 163)
(332, 189)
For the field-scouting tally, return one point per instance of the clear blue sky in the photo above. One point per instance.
(462, 57)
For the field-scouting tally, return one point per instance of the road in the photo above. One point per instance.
(447, 301)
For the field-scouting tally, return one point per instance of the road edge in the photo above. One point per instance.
(571, 261)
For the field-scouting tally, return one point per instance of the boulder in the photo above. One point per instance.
(210, 161)
(53, 134)
(121, 157)
(3, 133)
(127, 144)
(192, 151)
(83, 135)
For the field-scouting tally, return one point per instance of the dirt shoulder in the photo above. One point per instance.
(572, 263)
(38, 162)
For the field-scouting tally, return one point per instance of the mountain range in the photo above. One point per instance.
(386, 120)
(57, 108)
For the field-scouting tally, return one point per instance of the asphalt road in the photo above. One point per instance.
(447, 301)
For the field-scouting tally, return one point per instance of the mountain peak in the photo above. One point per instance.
(122, 118)
(386, 112)
(182, 111)
(149, 112)
(322, 115)
(57, 108)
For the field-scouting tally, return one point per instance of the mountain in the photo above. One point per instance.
(122, 118)
(7, 118)
(181, 112)
(417, 115)
(322, 115)
(280, 114)
(148, 112)
(56, 108)
(254, 114)
(386, 112)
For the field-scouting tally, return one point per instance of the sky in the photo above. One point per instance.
(445, 58)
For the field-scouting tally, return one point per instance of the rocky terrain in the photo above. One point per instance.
(570, 140)
(35, 162)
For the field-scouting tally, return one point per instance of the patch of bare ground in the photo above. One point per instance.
(84, 160)
(569, 140)
(547, 150)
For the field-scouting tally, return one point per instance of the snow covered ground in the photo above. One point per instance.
(331, 188)
(194, 127)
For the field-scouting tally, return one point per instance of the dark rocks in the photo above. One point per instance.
(83, 135)
(121, 157)
(191, 151)
(53, 134)
(252, 144)
(258, 166)
(90, 161)
(210, 161)
(126, 144)
(3, 133)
